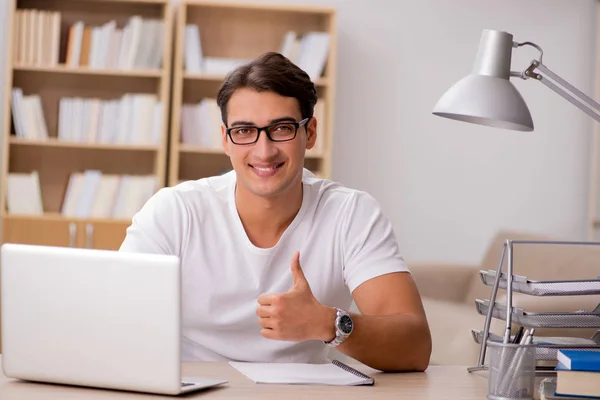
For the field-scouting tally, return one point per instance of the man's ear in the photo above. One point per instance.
(224, 139)
(311, 133)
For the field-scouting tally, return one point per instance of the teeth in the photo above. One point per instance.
(265, 169)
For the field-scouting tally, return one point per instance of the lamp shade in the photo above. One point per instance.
(486, 96)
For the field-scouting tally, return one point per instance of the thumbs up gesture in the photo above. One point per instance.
(295, 315)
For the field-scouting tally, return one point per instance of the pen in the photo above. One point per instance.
(518, 335)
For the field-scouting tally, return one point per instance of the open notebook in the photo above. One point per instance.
(336, 373)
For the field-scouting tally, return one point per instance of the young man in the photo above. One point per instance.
(272, 257)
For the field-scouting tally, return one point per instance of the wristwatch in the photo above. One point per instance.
(343, 328)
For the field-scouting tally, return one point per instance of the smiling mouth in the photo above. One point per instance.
(267, 169)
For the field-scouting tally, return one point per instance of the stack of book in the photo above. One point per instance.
(577, 376)
(309, 51)
(91, 194)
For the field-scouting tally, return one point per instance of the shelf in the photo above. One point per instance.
(543, 288)
(53, 142)
(576, 319)
(58, 217)
(63, 69)
(322, 82)
(194, 149)
(264, 6)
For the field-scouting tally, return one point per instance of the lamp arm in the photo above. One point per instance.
(575, 97)
(584, 103)
(571, 94)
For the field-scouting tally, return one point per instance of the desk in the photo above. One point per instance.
(438, 382)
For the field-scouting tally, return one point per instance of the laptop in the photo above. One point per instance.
(96, 318)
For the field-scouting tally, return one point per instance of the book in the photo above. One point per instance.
(579, 359)
(548, 391)
(336, 373)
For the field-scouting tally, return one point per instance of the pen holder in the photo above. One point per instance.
(511, 371)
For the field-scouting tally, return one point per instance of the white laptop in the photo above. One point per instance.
(97, 318)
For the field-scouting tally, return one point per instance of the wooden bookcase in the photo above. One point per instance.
(241, 31)
(50, 76)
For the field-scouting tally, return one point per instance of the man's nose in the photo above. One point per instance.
(264, 147)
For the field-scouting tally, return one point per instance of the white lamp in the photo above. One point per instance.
(487, 97)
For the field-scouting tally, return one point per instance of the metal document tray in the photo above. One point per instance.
(543, 288)
(577, 319)
(546, 347)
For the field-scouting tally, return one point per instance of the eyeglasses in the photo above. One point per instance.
(277, 132)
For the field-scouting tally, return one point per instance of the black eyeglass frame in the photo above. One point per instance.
(297, 125)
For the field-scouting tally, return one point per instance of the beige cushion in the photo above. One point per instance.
(451, 325)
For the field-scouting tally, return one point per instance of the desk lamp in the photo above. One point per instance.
(487, 97)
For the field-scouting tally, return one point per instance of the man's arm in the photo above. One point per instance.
(391, 333)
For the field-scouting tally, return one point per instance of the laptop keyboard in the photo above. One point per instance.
(184, 384)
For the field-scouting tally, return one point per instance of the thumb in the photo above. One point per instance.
(300, 281)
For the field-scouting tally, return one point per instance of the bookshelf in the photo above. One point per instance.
(211, 37)
(86, 118)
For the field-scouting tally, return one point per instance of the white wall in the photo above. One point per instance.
(449, 186)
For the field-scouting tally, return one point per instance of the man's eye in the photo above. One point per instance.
(284, 128)
(243, 131)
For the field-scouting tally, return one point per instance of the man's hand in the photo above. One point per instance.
(295, 315)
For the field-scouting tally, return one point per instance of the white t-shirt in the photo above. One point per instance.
(343, 239)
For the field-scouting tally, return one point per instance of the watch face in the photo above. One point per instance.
(345, 324)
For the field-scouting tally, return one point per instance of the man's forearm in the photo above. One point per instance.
(400, 342)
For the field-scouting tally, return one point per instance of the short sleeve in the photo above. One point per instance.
(370, 245)
(159, 227)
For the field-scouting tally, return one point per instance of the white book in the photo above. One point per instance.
(40, 32)
(193, 49)
(40, 120)
(119, 210)
(221, 66)
(16, 103)
(313, 52)
(93, 117)
(159, 45)
(77, 39)
(287, 47)
(87, 196)
(105, 196)
(145, 45)
(134, 43)
(29, 118)
(72, 194)
(124, 46)
(24, 196)
(55, 46)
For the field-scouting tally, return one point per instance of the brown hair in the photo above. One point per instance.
(270, 72)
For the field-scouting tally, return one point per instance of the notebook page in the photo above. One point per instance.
(297, 373)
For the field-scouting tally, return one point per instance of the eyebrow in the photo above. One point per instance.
(273, 121)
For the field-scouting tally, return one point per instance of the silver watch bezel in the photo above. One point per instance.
(339, 335)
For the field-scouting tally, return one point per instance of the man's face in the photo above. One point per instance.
(267, 168)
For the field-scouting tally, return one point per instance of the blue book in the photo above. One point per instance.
(578, 359)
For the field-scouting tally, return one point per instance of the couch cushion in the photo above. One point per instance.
(450, 325)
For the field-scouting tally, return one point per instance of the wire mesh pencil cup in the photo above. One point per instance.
(511, 370)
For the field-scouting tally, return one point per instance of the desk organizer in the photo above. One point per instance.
(545, 347)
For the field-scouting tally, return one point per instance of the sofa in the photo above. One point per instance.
(449, 292)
